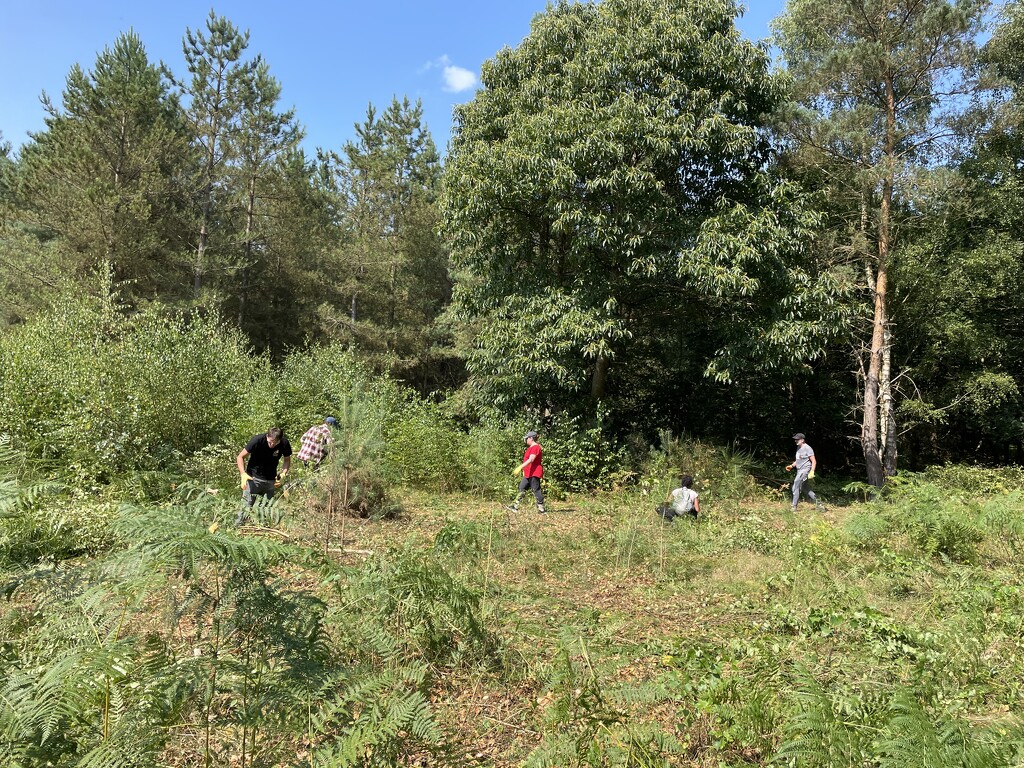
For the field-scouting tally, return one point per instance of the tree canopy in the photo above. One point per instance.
(614, 215)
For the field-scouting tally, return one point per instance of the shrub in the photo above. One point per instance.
(579, 456)
(354, 477)
(416, 602)
(489, 453)
(101, 393)
(937, 520)
(867, 529)
(976, 480)
(36, 524)
(423, 445)
(718, 473)
(314, 383)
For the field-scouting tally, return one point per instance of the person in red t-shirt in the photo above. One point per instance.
(532, 470)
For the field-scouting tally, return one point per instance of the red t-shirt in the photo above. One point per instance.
(534, 468)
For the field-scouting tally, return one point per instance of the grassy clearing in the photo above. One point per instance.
(458, 633)
(708, 633)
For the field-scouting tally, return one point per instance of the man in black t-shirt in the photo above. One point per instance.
(264, 452)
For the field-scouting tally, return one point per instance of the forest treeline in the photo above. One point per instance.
(641, 223)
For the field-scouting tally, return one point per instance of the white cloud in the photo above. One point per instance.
(456, 79)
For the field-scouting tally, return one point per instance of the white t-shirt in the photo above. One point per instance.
(683, 499)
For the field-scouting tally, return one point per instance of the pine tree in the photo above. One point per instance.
(213, 101)
(102, 175)
(264, 138)
(877, 86)
(396, 275)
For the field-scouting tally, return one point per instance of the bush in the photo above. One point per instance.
(313, 384)
(937, 520)
(718, 473)
(417, 603)
(580, 457)
(354, 477)
(101, 394)
(489, 453)
(975, 480)
(38, 524)
(423, 445)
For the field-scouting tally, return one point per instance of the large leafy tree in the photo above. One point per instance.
(965, 315)
(102, 176)
(616, 227)
(877, 87)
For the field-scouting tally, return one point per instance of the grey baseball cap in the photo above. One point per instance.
(799, 436)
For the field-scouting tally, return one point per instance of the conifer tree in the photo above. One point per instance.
(102, 175)
(396, 275)
(213, 98)
(877, 84)
(264, 137)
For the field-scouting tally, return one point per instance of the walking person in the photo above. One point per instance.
(805, 464)
(533, 470)
(264, 452)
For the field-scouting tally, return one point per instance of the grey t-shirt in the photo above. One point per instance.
(803, 458)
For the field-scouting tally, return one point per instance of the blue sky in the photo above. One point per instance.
(331, 58)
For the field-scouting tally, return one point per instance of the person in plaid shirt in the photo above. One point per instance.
(315, 442)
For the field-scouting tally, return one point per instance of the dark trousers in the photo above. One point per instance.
(254, 488)
(526, 484)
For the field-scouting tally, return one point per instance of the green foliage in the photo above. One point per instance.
(718, 473)
(867, 529)
(100, 393)
(424, 446)
(79, 686)
(1002, 518)
(314, 383)
(586, 728)
(939, 521)
(973, 480)
(105, 174)
(887, 728)
(375, 721)
(392, 274)
(488, 452)
(355, 477)
(614, 230)
(580, 454)
(464, 539)
(427, 612)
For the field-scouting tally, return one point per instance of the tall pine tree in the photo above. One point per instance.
(877, 84)
(103, 175)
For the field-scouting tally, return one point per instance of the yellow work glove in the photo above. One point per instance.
(516, 471)
(810, 475)
(246, 477)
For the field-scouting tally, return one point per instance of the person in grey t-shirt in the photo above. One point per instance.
(805, 464)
